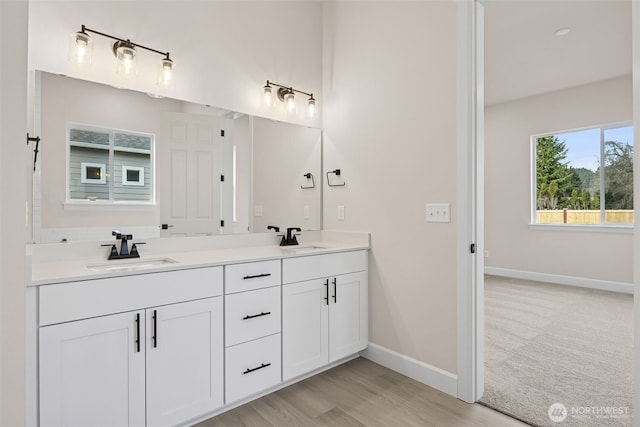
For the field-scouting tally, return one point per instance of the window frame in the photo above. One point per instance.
(602, 227)
(111, 203)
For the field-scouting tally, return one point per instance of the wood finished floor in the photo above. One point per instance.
(360, 393)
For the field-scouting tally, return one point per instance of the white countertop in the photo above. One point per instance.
(46, 269)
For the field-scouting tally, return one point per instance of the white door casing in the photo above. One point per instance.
(470, 198)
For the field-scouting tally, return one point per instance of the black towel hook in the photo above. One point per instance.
(35, 150)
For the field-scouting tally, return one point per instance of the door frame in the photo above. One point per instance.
(470, 190)
(635, 36)
(470, 199)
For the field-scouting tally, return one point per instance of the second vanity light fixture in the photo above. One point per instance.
(286, 94)
(81, 49)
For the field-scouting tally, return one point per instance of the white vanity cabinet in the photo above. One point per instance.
(252, 328)
(157, 362)
(324, 310)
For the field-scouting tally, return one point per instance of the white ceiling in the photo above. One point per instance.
(523, 57)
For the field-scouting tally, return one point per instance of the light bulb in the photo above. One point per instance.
(311, 108)
(126, 54)
(290, 102)
(166, 73)
(268, 95)
(80, 48)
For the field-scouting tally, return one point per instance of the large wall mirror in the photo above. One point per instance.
(157, 167)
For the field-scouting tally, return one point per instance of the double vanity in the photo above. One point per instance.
(192, 328)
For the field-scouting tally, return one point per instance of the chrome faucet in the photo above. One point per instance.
(290, 239)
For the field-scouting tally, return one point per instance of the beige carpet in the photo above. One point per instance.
(547, 344)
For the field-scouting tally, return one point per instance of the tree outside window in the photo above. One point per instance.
(584, 177)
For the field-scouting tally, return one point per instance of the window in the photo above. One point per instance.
(92, 173)
(133, 175)
(109, 165)
(584, 177)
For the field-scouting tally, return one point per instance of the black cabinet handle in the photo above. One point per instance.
(155, 328)
(253, 316)
(335, 290)
(326, 285)
(138, 332)
(256, 276)
(262, 365)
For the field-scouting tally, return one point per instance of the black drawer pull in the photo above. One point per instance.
(256, 276)
(326, 285)
(253, 316)
(154, 337)
(262, 365)
(138, 332)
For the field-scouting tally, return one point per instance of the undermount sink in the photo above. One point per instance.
(302, 249)
(130, 265)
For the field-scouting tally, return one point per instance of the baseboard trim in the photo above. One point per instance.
(603, 285)
(412, 368)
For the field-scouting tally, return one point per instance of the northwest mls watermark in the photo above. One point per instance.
(559, 412)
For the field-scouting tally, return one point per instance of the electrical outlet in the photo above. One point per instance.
(305, 212)
(438, 212)
(486, 253)
(257, 210)
(341, 213)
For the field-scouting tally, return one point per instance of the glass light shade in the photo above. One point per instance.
(311, 108)
(80, 48)
(166, 73)
(126, 55)
(268, 96)
(290, 102)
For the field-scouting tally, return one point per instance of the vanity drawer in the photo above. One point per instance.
(310, 267)
(252, 367)
(65, 302)
(251, 315)
(251, 275)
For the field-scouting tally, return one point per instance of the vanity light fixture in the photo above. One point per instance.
(286, 94)
(81, 49)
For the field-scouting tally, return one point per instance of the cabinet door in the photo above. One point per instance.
(92, 372)
(348, 315)
(184, 361)
(304, 327)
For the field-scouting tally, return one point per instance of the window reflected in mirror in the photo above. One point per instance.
(110, 166)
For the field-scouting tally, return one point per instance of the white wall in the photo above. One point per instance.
(13, 181)
(224, 51)
(390, 126)
(282, 154)
(512, 244)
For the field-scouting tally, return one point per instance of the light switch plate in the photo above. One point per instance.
(305, 212)
(438, 212)
(257, 210)
(341, 213)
